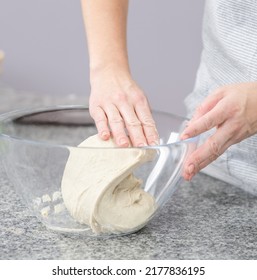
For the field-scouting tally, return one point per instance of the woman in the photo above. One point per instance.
(223, 104)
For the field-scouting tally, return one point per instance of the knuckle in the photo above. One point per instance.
(148, 121)
(141, 99)
(116, 120)
(235, 127)
(94, 101)
(199, 109)
(138, 96)
(213, 148)
(208, 124)
(197, 163)
(120, 98)
(239, 131)
(194, 131)
(100, 120)
(234, 109)
(93, 112)
(133, 122)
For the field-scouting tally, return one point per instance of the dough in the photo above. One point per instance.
(99, 189)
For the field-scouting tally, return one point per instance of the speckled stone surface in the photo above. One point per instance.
(204, 219)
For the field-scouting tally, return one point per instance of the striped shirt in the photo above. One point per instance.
(229, 56)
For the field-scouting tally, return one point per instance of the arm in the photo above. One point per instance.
(105, 23)
(116, 102)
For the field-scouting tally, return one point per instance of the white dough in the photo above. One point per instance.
(45, 211)
(46, 198)
(56, 196)
(99, 189)
(58, 208)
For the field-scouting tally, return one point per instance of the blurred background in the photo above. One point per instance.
(46, 51)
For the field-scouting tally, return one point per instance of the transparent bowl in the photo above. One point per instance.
(35, 145)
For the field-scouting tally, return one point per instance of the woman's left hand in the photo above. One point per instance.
(232, 110)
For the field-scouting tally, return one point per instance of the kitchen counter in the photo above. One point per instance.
(204, 219)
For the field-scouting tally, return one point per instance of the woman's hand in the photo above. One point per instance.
(232, 110)
(119, 107)
(117, 104)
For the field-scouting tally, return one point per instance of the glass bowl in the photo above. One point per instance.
(35, 145)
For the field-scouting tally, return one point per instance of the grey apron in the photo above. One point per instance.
(229, 56)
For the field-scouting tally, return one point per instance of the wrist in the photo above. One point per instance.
(113, 69)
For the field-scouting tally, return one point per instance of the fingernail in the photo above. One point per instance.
(154, 143)
(105, 135)
(184, 136)
(123, 142)
(185, 176)
(142, 145)
(191, 169)
(191, 177)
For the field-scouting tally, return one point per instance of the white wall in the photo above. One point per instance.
(46, 53)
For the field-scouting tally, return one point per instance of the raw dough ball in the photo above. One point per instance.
(99, 189)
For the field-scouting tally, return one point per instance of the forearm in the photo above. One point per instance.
(105, 23)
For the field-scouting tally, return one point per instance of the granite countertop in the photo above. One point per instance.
(204, 219)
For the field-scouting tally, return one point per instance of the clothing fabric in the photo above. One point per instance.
(229, 56)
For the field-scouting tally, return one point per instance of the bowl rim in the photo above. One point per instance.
(34, 110)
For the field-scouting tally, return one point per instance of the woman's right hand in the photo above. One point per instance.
(117, 105)
(120, 109)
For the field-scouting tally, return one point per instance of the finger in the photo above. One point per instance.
(117, 126)
(133, 125)
(101, 122)
(150, 131)
(213, 147)
(210, 120)
(208, 104)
